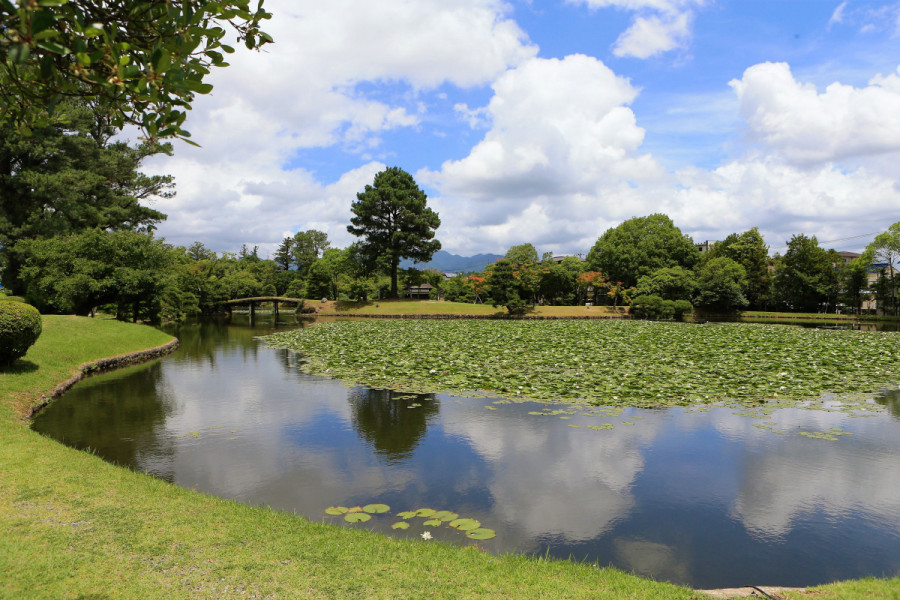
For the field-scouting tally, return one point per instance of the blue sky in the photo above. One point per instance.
(550, 121)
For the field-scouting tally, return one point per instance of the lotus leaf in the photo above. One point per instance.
(358, 517)
(433, 523)
(400, 525)
(425, 512)
(465, 524)
(336, 510)
(376, 508)
(445, 515)
(481, 534)
(408, 514)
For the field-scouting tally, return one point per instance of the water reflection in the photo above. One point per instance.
(392, 422)
(705, 498)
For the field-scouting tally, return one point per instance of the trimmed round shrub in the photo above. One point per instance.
(20, 326)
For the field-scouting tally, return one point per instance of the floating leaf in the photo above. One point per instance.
(336, 510)
(400, 525)
(445, 515)
(359, 517)
(376, 508)
(408, 514)
(433, 523)
(425, 512)
(465, 524)
(481, 534)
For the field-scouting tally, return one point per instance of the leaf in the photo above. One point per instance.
(376, 508)
(433, 523)
(400, 525)
(336, 510)
(445, 515)
(425, 512)
(359, 517)
(409, 514)
(481, 534)
(465, 524)
(196, 86)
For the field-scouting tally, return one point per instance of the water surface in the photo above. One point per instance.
(708, 498)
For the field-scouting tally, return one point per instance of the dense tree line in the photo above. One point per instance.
(76, 235)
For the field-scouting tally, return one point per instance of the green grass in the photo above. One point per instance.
(75, 527)
(65, 343)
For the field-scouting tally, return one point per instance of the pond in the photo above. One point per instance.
(709, 498)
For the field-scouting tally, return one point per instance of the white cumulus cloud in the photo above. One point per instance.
(659, 25)
(806, 126)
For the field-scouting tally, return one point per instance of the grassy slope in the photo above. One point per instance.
(77, 527)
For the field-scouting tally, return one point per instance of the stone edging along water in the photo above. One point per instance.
(98, 366)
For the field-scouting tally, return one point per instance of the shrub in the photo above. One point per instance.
(20, 326)
(682, 308)
(652, 306)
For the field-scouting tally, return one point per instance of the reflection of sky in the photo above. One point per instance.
(705, 498)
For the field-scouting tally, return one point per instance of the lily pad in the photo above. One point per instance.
(336, 510)
(376, 508)
(400, 525)
(481, 534)
(358, 517)
(433, 523)
(407, 514)
(465, 524)
(425, 512)
(445, 515)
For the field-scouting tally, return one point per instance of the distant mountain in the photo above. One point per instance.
(453, 263)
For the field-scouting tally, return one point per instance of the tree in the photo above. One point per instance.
(326, 273)
(72, 177)
(750, 251)
(671, 283)
(640, 246)
(855, 281)
(307, 247)
(720, 286)
(522, 254)
(197, 251)
(885, 252)
(394, 222)
(284, 255)
(504, 288)
(76, 273)
(142, 61)
(805, 277)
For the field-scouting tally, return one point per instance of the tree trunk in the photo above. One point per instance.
(395, 264)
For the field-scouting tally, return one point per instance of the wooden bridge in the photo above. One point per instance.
(253, 302)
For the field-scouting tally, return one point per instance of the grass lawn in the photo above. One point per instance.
(76, 527)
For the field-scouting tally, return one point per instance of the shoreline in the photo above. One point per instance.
(99, 366)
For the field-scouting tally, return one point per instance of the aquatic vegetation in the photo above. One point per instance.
(601, 362)
(433, 518)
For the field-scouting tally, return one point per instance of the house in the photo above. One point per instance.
(704, 247)
(420, 292)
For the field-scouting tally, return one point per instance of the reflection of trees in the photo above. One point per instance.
(203, 341)
(891, 401)
(392, 422)
(119, 416)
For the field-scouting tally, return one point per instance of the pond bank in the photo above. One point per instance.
(99, 366)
